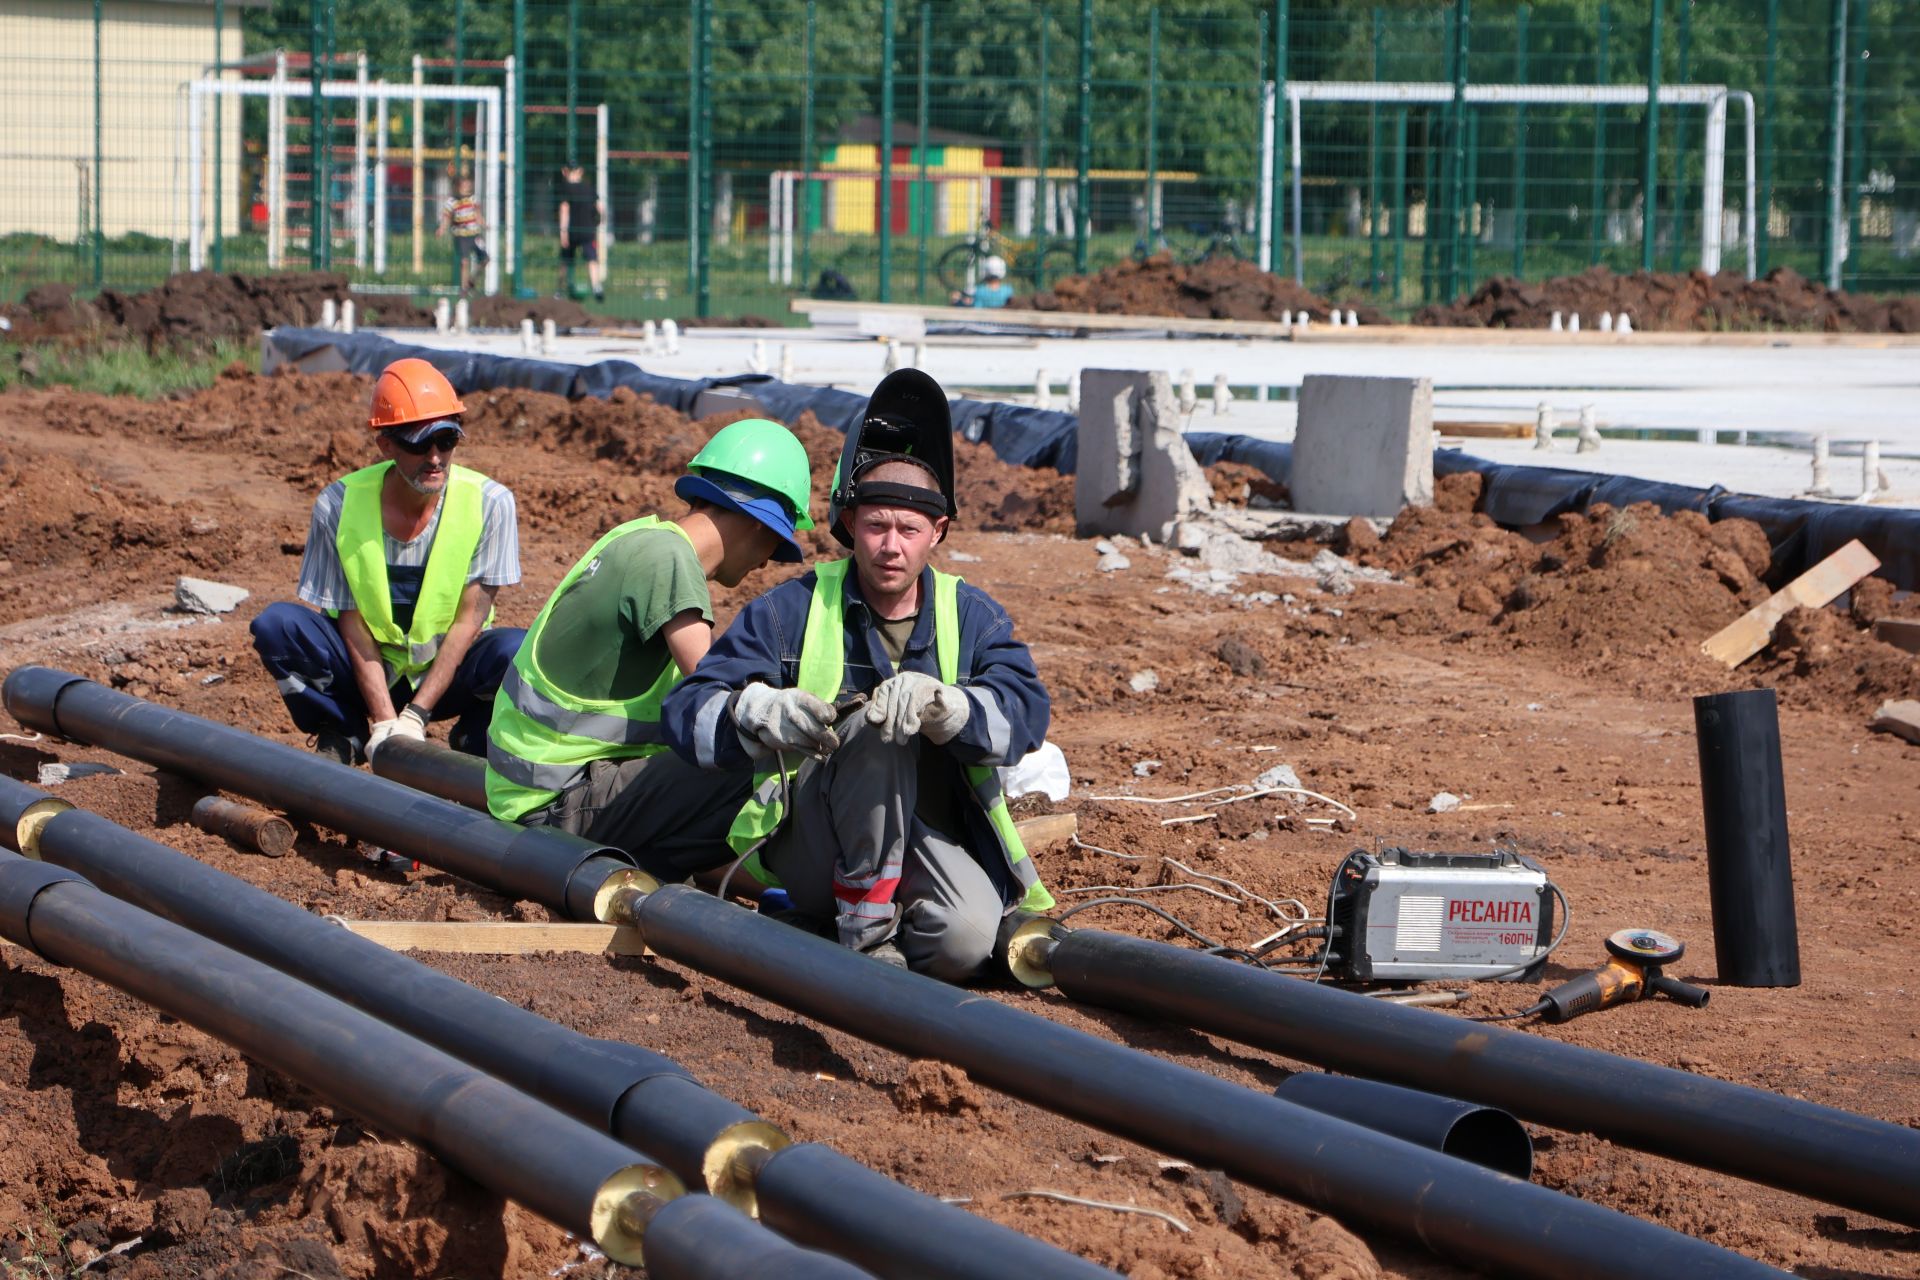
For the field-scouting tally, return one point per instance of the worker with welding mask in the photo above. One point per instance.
(576, 740)
(402, 564)
(874, 697)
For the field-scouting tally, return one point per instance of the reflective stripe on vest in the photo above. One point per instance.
(542, 738)
(822, 658)
(361, 541)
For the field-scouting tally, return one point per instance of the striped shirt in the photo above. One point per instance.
(463, 215)
(496, 560)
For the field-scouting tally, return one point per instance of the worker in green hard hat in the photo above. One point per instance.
(575, 741)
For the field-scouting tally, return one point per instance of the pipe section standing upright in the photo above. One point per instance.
(1481, 1219)
(806, 1192)
(1756, 941)
(1864, 1164)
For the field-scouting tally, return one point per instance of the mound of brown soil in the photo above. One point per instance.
(202, 306)
(1687, 301)
(1217, 289)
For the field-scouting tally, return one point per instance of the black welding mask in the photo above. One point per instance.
(906, 418)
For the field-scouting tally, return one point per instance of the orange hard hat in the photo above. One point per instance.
(411, 390)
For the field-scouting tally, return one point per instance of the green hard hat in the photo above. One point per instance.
(764, 453)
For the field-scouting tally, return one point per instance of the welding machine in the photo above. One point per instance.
(1397, 915)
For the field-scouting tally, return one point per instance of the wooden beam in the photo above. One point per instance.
(1048, 828)
(1817, 587)
(499, 938)
(1899, 632)
(1902, 718)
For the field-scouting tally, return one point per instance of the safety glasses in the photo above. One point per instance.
(444, 441)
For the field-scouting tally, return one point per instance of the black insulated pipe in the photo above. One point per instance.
(643, 1098)
(1862, 1164)
(813, 1195)
(1467, 1131)
(1756, 941)
(524, 862)
(434, 769)
(1481, 1219)
(501, 1138)
(700, 1238)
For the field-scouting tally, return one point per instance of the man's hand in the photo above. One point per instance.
(411, 723)
(785, 719)
(911, 703)
(382, 730)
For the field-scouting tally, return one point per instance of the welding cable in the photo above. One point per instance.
(1213, 947)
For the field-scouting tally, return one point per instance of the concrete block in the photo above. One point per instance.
(1364, 446)
(198, 595)
(1135, 473)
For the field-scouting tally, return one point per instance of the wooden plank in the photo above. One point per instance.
(1902, 718)
(1485, 430)
(498, 938)
(1898, 632)
(850, 312)
(1048, 828)
(1813, 589)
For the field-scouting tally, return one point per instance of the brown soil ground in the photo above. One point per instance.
(1678, 301)
(1547, 684)
(1217, 289)
(200, 306)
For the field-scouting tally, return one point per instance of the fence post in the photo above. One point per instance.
(1044, 193)
(805, 211)
(519, 123)
(1649, 185)
(1602, 75)
(886, 150)
(1153, 128)
(98, 224)
(219, 76)
(695, 234)
(1461, 26)
(1678, 217)
(1520, 148)
(1373, 165)
(1837, 147)
(1469, 200)
(703, 265)
(1765, 213)
(1083, 183)
(1277, 30)
(924, 205)
(1856, 144)
(1400, 200)
(320, 140)
(459, 108)
(573, 82)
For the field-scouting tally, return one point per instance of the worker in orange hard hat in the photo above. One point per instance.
(403, 561)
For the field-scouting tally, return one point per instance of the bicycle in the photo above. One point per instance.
(1220, 242)
(962, 267)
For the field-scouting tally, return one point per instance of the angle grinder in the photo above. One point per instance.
(1635, 958)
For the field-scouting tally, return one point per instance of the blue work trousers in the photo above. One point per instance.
(308, 659)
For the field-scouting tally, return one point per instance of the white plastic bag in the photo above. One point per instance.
(1044, 769)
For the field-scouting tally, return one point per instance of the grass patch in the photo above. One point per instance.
(119, 369)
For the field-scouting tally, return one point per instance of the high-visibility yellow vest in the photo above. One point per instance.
(542, 737)
(822, 663)
(361, 541)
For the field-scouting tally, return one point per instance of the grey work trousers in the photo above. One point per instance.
(671, 816)
(851, 810)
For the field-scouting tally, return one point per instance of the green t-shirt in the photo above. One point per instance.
(602, 639)
(938, 806)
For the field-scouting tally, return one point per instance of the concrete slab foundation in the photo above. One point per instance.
(1135, 474)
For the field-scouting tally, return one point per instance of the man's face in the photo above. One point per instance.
(748, 545)
(423, 466)
(891, 545)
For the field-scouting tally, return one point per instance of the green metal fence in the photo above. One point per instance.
(747, 150)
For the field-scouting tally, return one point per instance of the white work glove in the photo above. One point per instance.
(411, 723)
(382, 730)
(911, 703)
(784, 719)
